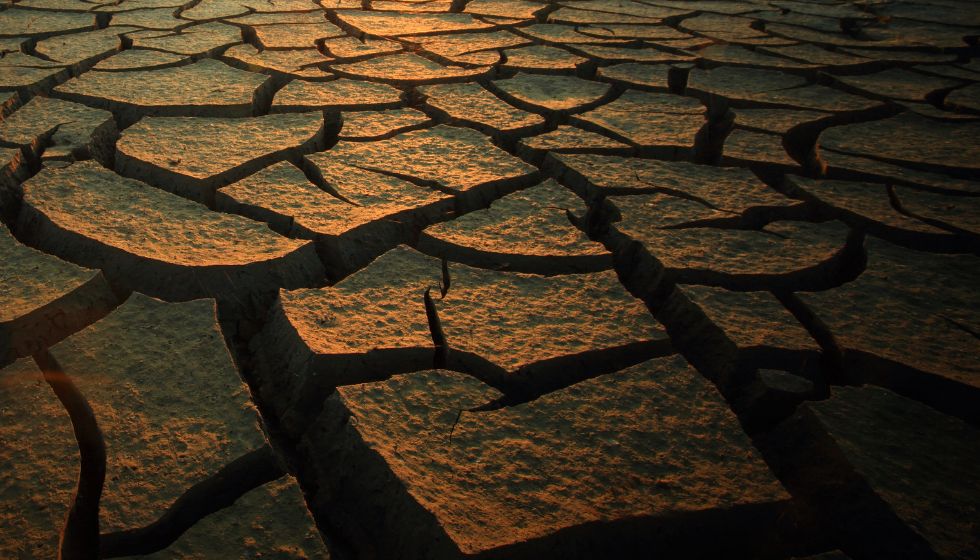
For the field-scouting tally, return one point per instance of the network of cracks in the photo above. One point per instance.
(490, 279)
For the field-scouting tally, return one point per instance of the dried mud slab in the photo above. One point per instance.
(470, 103)
(846, 166)
(741, 56)
(156, 19)
(211, 9)
(16, 22)
(344, 94)
(959, 214)
(633, 74)
(377, 125)
(557, 34)
(898, 84)
(166, 427)
(294, 36)
(659, 122)
(296, 63)
(193, 156)
(375, 213)
(457, 209)
(908, 307)
(280, 18)
(351, 48)
(137, 59)
(777, 121)
(773, 88)
(158, 243)
(726, 192)
(61, 130)
(527, 231)
(44, 298)
(551, 93)
(870, 205)
(569, 139)
(503, 8)
(748, 147)
(30, 75)
(909, 139)
(459, 161)
(469, 48)
(542, 58)
(757, 323)
(204, 88)
(207, 39)
(781, 254)
(598, 15)
(500, 326)
(79, 48)
(610, 55)
(816, 55)
(388, 24)
(965, 99)
(407, 69)
(522, 480)
(922, 463)
(493, 314)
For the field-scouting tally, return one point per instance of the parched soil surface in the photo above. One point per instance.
(532, 279)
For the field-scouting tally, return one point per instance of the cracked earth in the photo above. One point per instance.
(434, 279)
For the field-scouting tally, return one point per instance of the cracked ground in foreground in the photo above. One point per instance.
(490, 279)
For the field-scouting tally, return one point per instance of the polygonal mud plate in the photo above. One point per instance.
(157, 242)
(567, 472)
(207, 87)
(908, 307)
(366, 214)
(501, 326)
(529, 231)
(66, 130)
(193, 156)
(172, 410)
(737, 192)
(756, 322)
(44, 299)
(921, 462)
(459, 160)
(300, 95)
(471, 103)
(907, 137)
(551, 93)
(650, 120)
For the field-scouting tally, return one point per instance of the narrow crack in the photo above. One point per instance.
(80, 534)
(218, 491)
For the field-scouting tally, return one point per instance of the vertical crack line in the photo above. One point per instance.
(446, 279)
(833, 353)
(435, 329)
(218, 491)
(80, 535)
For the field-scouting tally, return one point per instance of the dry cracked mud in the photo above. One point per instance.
(440, 279)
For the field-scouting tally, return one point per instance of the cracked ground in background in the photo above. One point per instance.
(490, 279)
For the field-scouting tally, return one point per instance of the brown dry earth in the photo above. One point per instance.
(435, 279)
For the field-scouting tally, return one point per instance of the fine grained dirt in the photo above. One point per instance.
(490, 279)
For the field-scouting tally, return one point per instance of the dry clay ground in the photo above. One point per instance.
(490, 279)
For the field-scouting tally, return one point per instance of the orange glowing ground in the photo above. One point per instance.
(490, 279)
